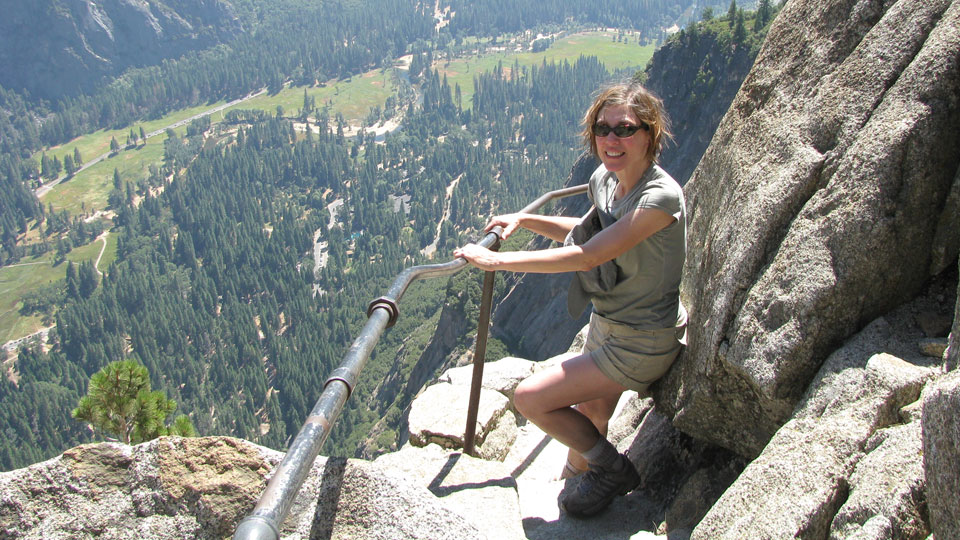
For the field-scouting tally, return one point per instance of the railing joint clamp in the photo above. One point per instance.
(387, 304)
(343, 375)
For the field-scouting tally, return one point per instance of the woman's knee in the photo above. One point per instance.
(525, 399)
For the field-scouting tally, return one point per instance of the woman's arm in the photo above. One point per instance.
(606, 245)
(553, 227)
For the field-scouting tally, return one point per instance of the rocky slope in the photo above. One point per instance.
(84, 41)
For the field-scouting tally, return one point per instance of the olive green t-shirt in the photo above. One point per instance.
(647, 290)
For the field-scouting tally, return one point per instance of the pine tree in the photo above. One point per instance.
(73, 282)
(88, 279)
(739, 29)
(763, 15)
(306, 105)
(46, 166)
(121, 403)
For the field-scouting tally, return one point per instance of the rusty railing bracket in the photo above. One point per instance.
(388, 304)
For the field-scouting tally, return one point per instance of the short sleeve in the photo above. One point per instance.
(594, 183)
(662, 196)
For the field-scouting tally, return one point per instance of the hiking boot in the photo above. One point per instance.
(599, 486)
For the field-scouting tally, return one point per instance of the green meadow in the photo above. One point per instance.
(353, 97)
(88, 190)
(98, 143)
(34, 272)
(614, 55)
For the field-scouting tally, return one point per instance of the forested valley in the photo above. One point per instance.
(215, 288)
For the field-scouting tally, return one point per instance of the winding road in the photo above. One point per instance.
(44, 189)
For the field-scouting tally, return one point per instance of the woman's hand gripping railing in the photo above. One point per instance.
(275, 502)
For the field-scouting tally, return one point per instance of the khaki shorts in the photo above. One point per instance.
(634, 358)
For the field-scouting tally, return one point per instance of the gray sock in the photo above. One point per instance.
(603, 454)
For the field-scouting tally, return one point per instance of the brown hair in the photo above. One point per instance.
(647, 107)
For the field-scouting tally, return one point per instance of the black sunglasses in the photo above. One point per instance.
(622, 131)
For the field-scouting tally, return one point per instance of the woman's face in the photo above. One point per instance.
(624, 156)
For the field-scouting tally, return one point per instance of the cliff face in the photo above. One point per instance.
(84, 41)
(818, 206)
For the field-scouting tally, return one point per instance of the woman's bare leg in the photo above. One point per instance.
(547, 398)
(599, 411)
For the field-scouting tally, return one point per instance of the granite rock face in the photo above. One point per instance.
(454, 477)
(951, 357)
(818, 207)
(941, 454)
(845, 457)
(439, 415)
(886, 487)
(166, 488)
(175, 488)
(83, 41)
(502, 376)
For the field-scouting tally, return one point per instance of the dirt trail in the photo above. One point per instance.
(103, 238)
(432, 248)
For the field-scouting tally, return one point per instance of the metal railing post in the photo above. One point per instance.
(479, 354)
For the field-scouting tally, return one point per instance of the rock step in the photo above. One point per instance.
(516, 498)
(523, 458)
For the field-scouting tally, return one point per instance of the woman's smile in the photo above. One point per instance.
(625, 156)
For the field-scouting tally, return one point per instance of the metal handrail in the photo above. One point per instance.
(275, 502)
